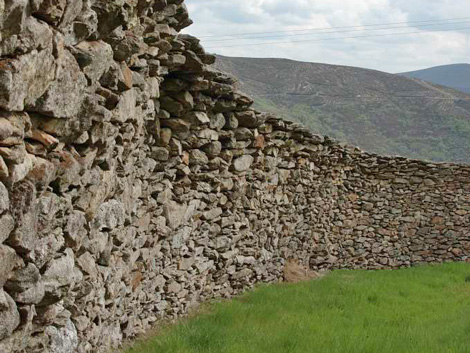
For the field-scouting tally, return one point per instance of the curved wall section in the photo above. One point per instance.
(137, 181)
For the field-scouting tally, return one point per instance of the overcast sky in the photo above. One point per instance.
(387, 53)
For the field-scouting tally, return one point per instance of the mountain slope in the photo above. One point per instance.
(380, 112)
(456, 76)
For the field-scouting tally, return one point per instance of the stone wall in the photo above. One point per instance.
(137, 182)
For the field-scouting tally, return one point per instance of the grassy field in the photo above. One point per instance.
(418, 310)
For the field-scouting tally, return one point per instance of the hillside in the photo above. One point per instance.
(380, 112)
(456, 76)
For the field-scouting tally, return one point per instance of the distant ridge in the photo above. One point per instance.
(378, 111)
(456, 76)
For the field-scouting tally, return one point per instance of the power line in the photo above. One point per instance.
(332, 39)
(330, 32)
(326, 28)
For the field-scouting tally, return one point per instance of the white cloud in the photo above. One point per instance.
(389, 53)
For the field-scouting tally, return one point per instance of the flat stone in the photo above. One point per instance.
(213, 213)
(249, 119)
(172, 105)
(178, 127)
(94, 58)
(242, 274)
(174, 213)
(197, 118)
(243, 163)
(126, 108)
(88, 264)
(192, 62)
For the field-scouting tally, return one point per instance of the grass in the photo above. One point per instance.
(418, 310)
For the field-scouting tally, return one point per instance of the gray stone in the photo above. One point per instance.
(25, 285)
(180, 238)
(185, 98)
(197, 118)
(47, 246)
(179, 127)
(35, 35)
(192, 62)
(160, 153)
(25, 79)
(198, 157)
(88, 264)
(111, 15)
(217, 121)
(9, 315)
(75, 229)
(127, 47)
(8, 261)
(4, 199)
(63, 339)
(242, 274)
(213, 149)
(14, 17)
(174, 214)
(7, 224)
(110, 215)
(249, 119)
(126, 108)
(213, 213)
(95, 58)
(243, 163)
(59, 274)
(65, 95)
(51, 11)
(173, 106)
(244, 134)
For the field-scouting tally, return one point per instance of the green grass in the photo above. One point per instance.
(418, 310)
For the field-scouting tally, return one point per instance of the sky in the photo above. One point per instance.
(274, 21)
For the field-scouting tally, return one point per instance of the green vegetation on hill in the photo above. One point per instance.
(418, 310)
(379, 112)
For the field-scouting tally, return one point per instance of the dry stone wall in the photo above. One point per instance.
(137, 181)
